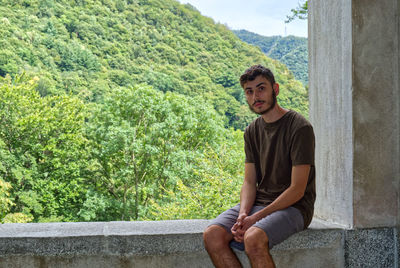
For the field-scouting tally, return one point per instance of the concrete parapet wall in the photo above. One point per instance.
(179, 244)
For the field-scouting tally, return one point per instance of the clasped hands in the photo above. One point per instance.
(243, 223)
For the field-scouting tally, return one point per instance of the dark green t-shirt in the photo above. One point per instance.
(275, 148)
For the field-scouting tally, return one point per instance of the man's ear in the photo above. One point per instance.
(276, 89)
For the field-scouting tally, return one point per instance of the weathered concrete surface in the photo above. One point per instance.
(330, 91)
(104, 238)
(104, 244)
(319, 246)
(355, 110)
(303, 249)
(179, 244)
(375, 112)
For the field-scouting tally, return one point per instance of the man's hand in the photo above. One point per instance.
(240, 218)
(236, 228)
(242, 224)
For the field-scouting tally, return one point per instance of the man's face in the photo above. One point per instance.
(260, 95)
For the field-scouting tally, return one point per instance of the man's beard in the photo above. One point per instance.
(272, 105)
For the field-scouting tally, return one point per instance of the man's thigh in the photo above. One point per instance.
(228, 218)
(281, 224)
(278, 226)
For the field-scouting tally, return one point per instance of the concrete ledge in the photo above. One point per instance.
(103, 238)
(179, 244)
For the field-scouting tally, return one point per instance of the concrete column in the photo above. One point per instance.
(355, 110)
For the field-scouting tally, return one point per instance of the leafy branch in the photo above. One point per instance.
(300, 12)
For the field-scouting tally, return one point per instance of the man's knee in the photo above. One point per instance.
(255, 240)
(216, 237)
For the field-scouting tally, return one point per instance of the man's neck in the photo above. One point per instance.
(275, 114)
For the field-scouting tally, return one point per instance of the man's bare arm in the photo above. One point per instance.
(248, 192)
(247, 198)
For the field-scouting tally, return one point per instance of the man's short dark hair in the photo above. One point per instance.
(254, 71)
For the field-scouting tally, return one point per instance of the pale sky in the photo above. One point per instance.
(265, 17)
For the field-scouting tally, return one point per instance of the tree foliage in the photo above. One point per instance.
(145, 141)
(43, 148)
(87, 48)
(214, 185)
(300, 12)
(122, 110)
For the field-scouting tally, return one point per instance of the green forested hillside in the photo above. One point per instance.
(290, 50)
(112, 110)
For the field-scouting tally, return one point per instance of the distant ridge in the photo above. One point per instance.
(290, 50)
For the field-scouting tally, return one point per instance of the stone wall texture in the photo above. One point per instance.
(354, 107)
(179, 244)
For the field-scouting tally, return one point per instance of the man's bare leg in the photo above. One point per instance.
(256, 245)
(216, 241)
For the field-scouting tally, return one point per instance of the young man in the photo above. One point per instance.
(278, 192)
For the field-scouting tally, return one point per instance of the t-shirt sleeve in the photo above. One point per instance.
(303, 146)
(248, 149)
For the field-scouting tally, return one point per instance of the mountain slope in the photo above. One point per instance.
(290, 50)
(89, 47)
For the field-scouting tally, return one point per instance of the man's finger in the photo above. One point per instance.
(238, 239)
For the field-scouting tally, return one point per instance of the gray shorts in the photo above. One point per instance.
(278, 226)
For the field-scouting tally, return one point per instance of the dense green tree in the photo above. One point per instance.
(43, 149)
(145, 141)
(215, 185)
